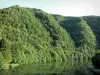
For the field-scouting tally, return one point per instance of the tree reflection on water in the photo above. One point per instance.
(54, 68)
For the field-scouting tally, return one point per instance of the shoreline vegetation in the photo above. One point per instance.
(67, 67)
(30, 35)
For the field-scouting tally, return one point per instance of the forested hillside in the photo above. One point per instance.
(29, 35)
(81, 32)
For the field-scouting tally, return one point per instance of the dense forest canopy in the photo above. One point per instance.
(29, 35)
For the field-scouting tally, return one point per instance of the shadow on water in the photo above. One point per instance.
(65, 68)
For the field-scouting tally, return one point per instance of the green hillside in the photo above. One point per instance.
(29, 35)
(81, 33)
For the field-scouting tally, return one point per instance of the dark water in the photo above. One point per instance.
(64, 68)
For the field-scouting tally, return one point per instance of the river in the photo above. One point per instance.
(54, 68)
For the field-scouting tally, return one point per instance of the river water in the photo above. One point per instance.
(54, 68)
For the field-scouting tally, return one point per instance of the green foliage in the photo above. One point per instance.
(81, 33)
(94, 23)
(5, 48)
(31, 35)
(1, 60)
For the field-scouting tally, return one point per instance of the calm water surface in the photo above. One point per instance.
(64, 68)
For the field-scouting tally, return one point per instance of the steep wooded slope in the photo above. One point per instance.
(31, 35)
